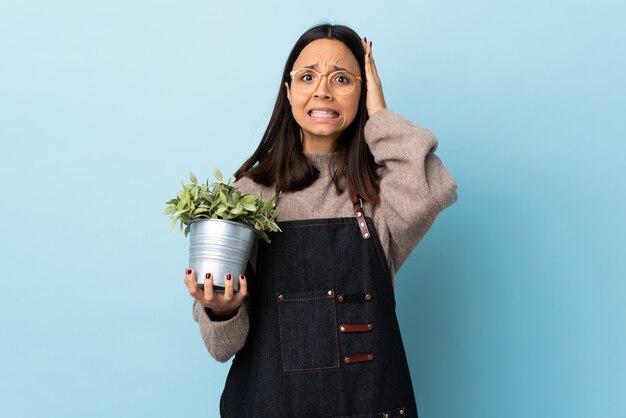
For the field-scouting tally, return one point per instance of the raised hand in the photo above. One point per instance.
(375, 99)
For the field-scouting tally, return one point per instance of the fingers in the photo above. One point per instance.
(243, 286)
(218, 302)
(208, 287)
(228, 288)
(371, 65)
(190, 281)
(367, 46)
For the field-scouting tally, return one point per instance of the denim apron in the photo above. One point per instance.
(324, 339)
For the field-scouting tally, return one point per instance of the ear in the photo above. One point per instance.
(288, 91)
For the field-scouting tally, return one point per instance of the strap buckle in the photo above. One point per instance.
(360, 215)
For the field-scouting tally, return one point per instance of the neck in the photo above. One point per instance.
(318, 144)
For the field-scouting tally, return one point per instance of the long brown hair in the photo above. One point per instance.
(279, 158)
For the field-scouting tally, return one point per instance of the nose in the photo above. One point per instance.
(322, 89)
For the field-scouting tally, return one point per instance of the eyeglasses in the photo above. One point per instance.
(306, 80)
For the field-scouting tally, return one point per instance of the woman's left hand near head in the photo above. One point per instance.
(375, 99)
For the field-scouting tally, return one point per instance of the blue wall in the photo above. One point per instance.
(512, 306)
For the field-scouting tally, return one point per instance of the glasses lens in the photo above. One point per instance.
(305, 80)
(342, 82)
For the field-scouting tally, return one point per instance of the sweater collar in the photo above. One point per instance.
(321, 160)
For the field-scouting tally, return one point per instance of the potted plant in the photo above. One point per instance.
(222, 224)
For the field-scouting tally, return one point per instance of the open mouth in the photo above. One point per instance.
(323, 114)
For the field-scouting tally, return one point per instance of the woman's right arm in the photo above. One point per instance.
(222, 338)
(222, 317)
(224, 334)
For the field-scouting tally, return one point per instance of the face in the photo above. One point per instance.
(321, 130)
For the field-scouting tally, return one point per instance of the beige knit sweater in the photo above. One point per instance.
(414, 188)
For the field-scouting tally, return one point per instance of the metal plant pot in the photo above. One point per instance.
(218, 246)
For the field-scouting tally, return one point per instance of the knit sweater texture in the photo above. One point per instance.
(414, 188)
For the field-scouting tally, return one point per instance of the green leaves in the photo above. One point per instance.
(222, 201)
(218, 175)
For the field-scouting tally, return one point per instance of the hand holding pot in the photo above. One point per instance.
(220, 304)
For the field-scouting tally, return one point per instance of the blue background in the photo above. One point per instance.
(513, 304)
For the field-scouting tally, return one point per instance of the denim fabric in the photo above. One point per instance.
(315, 345)
(292, 364)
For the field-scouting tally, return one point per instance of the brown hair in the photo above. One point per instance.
(279, 158)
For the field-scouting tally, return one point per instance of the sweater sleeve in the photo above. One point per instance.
(414, 184)
(222, 338)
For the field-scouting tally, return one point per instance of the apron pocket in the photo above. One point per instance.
(307, 323)
(394, 413)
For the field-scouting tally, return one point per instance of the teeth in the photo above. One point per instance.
(322, 114)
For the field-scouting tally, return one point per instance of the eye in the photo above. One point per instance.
(307, 77)
(342, 78)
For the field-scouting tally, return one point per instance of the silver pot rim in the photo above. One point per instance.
(222, 220)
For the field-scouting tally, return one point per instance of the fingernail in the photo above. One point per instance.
(242, 277)
(369, 54)
(229, 276)
(370, 44)
(366, 39)
(188, 271)
(207, 276)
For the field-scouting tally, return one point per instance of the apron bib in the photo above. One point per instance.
(324, 339)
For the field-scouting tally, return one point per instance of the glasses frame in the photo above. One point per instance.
(327, 74)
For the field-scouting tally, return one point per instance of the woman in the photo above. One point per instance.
(314, 331)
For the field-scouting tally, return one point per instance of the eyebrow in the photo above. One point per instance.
(312, 66)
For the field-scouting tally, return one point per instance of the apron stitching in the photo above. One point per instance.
(311, 369)
(300, 300)
(336, 331)
(280, 336)
(316, 224)
(282, 356)
(381, 258)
